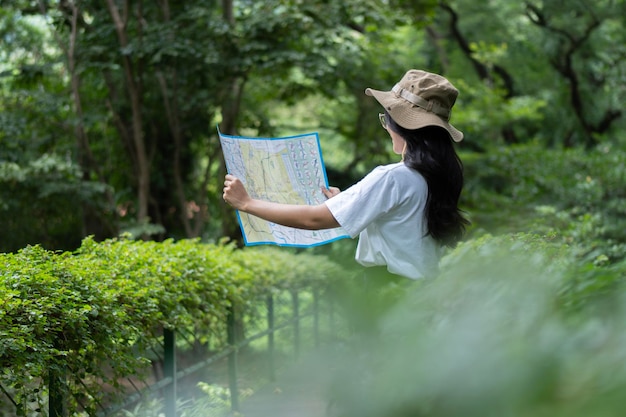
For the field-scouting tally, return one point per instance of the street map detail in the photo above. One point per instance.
(282, 170)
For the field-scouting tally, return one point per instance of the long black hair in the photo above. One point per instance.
(430, 151)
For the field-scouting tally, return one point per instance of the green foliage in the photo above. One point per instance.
(579, 281)
(573, 194)
(279, 67)
(495, 335)
(42, 200)
(94, 314)
(483, 111)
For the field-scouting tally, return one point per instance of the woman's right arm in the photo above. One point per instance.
(293, 215)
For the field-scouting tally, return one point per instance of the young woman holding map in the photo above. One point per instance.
(404, 212)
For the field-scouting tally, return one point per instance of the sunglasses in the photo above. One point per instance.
(383, 120)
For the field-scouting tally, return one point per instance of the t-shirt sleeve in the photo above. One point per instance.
(355, 208)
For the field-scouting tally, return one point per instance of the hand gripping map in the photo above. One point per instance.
(282, 170)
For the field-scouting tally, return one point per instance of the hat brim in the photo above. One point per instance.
(410, 116)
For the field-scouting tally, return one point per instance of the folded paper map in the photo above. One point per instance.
(282, 170)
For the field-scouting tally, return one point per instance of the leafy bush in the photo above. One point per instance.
(92, 315)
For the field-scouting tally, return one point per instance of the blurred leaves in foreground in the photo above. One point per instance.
(510, 328)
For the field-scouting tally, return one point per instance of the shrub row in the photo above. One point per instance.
(75, 312)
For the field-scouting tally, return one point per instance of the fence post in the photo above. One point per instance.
(56, 392)
(270, 337)
(296, 323)
(232, 359)
(169, 371)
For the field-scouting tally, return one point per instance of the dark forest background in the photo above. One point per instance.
(108, 108)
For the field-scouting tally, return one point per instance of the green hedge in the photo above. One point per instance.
(578, 283)
(105, 303)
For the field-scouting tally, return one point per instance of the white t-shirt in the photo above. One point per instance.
(386, 210)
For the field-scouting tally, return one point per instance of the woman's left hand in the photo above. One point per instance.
(330, 191)
(235, 193)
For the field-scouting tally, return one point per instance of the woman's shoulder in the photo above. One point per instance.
(397, 174)
(398, 169)
(389, 167)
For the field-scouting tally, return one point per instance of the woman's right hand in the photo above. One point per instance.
(235, 193)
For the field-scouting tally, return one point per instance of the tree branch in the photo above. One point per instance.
(564, 64)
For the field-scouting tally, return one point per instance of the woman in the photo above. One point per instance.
(404, 212)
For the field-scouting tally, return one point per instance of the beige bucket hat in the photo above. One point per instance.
(420, 99)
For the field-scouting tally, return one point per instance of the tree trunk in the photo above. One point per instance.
(133, 89)
(93, 221)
